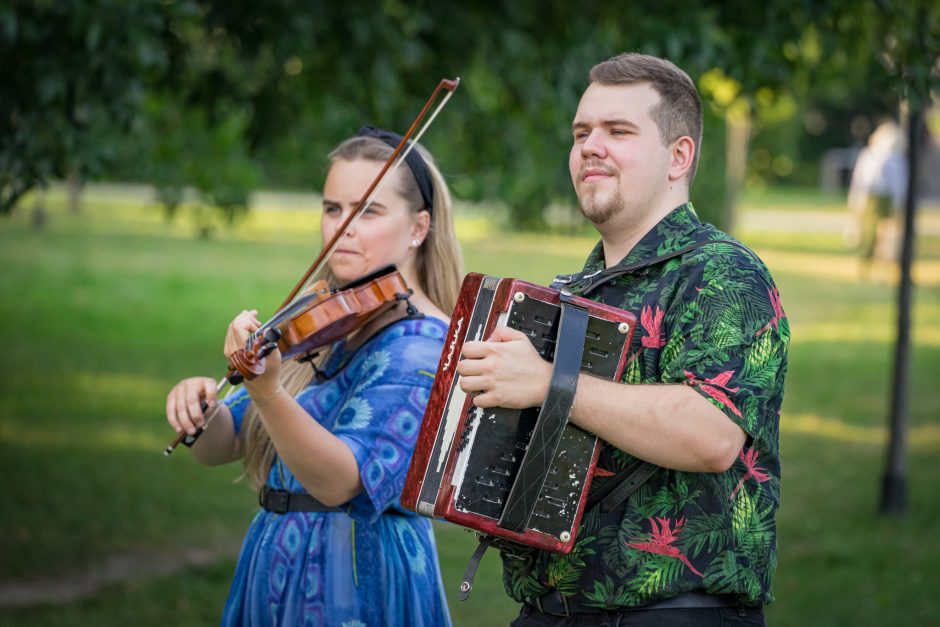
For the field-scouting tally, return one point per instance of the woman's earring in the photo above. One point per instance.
(415, 243)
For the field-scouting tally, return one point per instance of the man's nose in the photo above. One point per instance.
(593, 145)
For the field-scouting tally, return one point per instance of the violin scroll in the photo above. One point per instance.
(248, 363)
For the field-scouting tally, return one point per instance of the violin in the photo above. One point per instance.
(339, 314)
(315, 315)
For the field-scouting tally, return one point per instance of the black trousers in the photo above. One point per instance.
(678, 617)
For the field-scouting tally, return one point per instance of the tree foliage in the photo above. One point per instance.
(74, 76)
(224, 96)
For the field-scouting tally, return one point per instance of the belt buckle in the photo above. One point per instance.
(564, 604)
(277, 501)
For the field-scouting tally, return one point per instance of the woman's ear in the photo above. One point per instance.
(420, 226)
(683, 156)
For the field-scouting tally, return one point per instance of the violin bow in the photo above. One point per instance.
(404, 148)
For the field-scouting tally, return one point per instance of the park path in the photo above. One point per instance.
(749, 216)
(809, 221)
(112, 570)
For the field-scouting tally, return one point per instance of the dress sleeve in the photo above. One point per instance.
(381, 416)
(238, 402)
(728, 340)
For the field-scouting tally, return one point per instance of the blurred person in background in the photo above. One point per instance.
(876, 196)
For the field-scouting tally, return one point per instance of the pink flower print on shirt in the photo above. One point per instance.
(653, 325)
(778, 311)
(713, 387)
(661, 539)
(750, 459)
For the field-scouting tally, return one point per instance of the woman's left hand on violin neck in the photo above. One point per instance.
(267, 384)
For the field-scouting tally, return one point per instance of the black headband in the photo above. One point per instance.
(414, 162)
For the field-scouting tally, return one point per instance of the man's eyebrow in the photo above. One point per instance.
(578, 124)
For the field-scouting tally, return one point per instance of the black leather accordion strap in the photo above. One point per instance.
(581, 283)
(619, 487)
(552, 419)
(467, 584)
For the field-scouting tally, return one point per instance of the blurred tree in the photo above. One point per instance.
(73, 74)
(910, 52)
(260, 91)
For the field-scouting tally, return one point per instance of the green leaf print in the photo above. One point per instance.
(673, 349)
(708, 533)
(726, 328)
(725, 575)
(565, 570)
(673, 499)
(762, 350)
(605, 593)
(520, 576)
(633, 373)
(658, 572)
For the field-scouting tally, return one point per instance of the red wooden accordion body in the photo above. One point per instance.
(467, 459)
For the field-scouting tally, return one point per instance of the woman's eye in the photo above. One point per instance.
(371, 212)
(331, 210)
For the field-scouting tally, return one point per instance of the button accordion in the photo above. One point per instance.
(516, 475)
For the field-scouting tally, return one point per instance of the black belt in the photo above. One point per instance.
(556, 604)
(282, 501)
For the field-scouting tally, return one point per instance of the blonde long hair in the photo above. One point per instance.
(439, 267)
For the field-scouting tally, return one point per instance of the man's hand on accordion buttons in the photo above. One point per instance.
(504, 371)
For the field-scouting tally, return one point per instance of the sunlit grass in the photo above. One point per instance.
(790, 198)
(116, 437)
(923, 437)
(107, 309)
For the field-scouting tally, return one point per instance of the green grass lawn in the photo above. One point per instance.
(804, 198)
(106, 310)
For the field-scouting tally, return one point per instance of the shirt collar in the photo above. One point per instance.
(671, 233)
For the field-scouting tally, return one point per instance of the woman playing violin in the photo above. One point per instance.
(329, 454)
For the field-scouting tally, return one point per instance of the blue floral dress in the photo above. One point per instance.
(374, 563)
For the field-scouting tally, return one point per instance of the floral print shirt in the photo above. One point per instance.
(711, 319)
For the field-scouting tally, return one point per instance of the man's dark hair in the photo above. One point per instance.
(679, 111)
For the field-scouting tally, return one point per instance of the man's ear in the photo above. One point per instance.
(683, 156)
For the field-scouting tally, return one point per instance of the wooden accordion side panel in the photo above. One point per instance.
(466, 458)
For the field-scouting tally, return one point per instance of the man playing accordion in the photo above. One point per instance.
(700, 397)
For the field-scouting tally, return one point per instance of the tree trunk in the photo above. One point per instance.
(39, 216)
(737, 138)
(74, 185)
(894, 484)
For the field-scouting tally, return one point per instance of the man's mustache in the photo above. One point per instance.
(596, 166)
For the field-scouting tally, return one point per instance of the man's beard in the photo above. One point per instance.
(599, 211)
